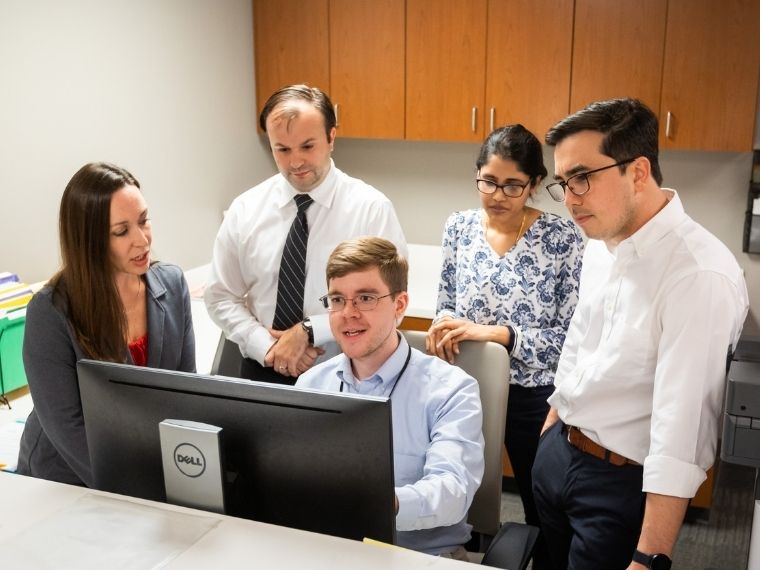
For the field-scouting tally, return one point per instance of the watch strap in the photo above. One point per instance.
(641, 558)
(306, 324)
(653, 561)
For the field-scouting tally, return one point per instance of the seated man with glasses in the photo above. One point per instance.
(437, 417)
(634, 417)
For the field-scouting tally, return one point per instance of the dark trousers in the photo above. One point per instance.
(591, 511)
(252, 370)
(526, 413)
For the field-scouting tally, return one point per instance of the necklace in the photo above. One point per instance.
(136, 303)
(522, 225)
(519, 232)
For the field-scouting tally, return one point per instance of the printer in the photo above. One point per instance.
(741, 426)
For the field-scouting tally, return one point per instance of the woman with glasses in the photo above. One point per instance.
(510, 275)
(110, 301)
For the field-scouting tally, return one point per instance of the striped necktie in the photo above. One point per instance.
(289, 309)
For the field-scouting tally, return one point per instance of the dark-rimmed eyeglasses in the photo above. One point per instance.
(510, 189)
(363, 301)
(578, 184)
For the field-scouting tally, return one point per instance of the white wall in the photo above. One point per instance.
(164, 88)
(428, 181)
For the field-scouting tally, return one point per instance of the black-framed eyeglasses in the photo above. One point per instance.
(363, 301)
(510, 189)
(578, 184)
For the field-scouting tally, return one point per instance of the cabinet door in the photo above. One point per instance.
(528, 73)
(291, 45)
(445, 69)
(710, 75)
(617, 51)
(367, 67)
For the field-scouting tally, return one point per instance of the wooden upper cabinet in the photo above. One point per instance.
(367, 67)
(290, 45)
(710, 75)
(445, 69)
(530, 44)
(618, 51)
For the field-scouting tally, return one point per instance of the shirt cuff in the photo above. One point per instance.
(517, 338)
(442, 315)
(409, 508)
(259, 344)
(320, 325)
(673, 477)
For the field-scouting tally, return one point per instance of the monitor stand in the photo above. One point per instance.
(192, 462)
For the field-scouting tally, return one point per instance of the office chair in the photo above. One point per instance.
(509, 546)
(227, 360)
(488, 363)
(512, 547)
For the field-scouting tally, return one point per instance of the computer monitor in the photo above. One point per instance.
(305, 459)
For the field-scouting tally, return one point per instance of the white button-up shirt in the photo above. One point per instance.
(241, 293)
(643, 367)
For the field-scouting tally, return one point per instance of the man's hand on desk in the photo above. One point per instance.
(291, 354)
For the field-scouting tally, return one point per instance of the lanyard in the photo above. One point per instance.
(400, 374)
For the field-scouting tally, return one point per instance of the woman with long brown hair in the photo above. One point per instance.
(108, 302)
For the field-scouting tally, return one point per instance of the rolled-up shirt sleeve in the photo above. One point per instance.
(699, 326)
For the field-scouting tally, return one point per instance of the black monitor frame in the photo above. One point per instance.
(305, 459)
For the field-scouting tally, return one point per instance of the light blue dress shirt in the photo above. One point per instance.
(437, 441)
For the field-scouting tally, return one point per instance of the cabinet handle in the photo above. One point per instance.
(493, 116)
(668, 122)
(335, 110)
(474, 118)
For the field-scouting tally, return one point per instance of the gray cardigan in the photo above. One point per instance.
(54, 445)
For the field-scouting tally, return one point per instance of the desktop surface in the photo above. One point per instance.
(233, 543)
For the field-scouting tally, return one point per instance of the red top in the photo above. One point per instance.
(139, 351)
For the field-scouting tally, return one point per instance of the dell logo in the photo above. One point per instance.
(189, 460)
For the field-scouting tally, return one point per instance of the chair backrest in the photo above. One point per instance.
(488, 363)
(227, 360)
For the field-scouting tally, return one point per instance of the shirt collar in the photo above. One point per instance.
(322, 194)
(648, 235)
(386, 375)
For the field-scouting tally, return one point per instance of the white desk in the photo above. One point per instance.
(424, 276)
(233, 543)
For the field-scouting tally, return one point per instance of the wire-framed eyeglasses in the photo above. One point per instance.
(578, 184)
(510, 189)
(363, 301)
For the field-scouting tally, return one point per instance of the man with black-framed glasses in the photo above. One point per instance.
(633, 422)
(437, 414)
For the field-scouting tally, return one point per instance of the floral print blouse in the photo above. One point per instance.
(533, 287)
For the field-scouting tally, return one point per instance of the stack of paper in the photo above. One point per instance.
(14, 296)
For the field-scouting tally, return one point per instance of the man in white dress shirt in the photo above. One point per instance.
(242, 292)
(634, 418)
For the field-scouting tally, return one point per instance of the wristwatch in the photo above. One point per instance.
(653, 561)
(306, 324)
